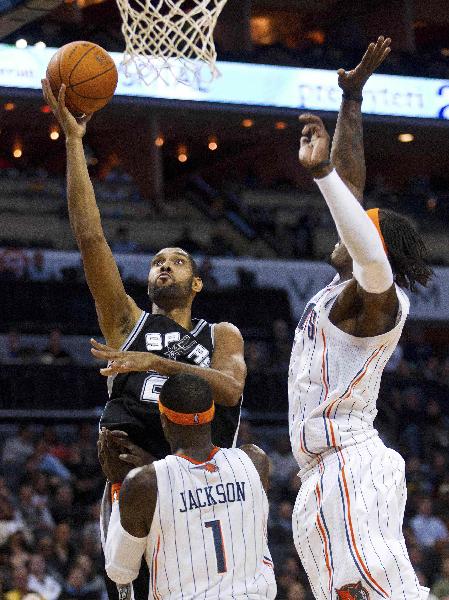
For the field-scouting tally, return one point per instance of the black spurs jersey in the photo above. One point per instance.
(161, 335)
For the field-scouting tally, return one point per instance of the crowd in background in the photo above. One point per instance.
(423, 199)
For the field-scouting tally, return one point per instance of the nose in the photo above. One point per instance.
(165, 268)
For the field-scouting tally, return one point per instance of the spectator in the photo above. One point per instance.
(18, 448)
(10, 520)
(76, 585)
(16, 351)
(54, 353)
(19, 554)
(296, 592)
(13, 263)
(35, 514)
(36, 267)
(49, 464)
(428, 528)
(64, 549)
(40, 581)
(20, 587)
(62, 507)
(283, 463)
(94, 582)
(121, 242)
(441, 586)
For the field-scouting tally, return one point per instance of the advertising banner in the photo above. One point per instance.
(256, 85)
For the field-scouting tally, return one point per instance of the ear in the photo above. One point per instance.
(197, 285)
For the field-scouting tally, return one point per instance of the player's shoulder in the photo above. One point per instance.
(141, 480)
(254, 451)
(260, 460)
(224, 328)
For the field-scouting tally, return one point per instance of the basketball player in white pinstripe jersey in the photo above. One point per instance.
(199, 516)
(348, 515)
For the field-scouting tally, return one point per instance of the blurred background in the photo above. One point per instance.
(223, 182)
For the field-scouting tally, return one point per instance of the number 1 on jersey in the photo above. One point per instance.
(218, 543)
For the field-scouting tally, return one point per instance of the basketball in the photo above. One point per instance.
(89, 73)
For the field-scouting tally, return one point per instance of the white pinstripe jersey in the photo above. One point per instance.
(208, 538)
(334, 379)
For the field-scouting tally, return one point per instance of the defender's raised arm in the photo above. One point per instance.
(348, 153)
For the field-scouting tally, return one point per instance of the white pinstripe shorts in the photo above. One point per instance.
(347, 526)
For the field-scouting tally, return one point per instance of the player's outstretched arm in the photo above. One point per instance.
(130, 524)
(117, 313)
(347, 154)
(226, 376)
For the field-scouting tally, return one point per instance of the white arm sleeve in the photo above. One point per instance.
(356, 230)
(123, 552)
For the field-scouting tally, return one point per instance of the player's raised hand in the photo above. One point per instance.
(71, 126)
(314, 148)
(114, 469)
(352, 82)
(121, 361)
(130, 453)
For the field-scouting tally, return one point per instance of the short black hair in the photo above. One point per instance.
(407, 251)
(186, 393)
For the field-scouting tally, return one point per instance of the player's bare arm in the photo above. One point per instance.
(136, 516)
(347, 153)
(117, 313)
(130, 525)
(226, 376)
(368, 305)
(261, 462)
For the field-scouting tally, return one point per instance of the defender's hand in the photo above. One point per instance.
(130, 453)
(114, 469)
(352, 82)
(122, 361)
(314, 147)
(71, 126)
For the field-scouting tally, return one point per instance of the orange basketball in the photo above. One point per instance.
(89, 73)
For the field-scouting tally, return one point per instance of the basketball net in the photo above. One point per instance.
(170, 39)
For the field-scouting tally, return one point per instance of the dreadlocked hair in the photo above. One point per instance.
(406, 250)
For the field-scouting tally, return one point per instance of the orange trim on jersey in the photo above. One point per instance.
(115, 491)
(362, 564)
(373, 214)
(187, 418)
(323, 537)
(155, 592)
(362, 375)
(201, 462)
(353, 383)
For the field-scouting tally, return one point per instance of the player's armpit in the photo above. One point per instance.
(363, 314)
(228, 358)
(261, 462)
(138, 496)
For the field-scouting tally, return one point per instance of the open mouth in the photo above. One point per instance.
(164, 277)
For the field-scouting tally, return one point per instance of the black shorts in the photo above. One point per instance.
(140, 420)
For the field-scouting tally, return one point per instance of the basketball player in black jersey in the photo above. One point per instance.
(173, 342)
